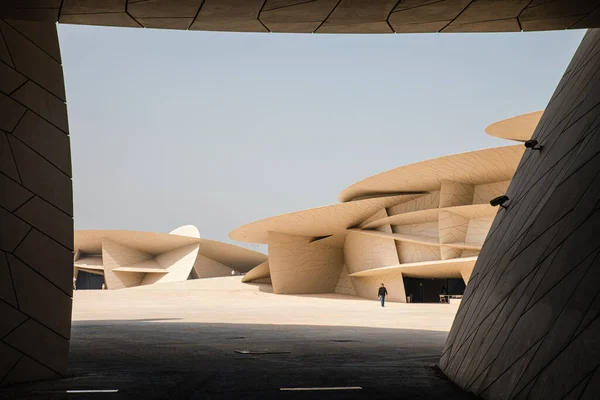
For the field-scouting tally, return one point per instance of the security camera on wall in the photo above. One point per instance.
(533, 145)
(499, 201)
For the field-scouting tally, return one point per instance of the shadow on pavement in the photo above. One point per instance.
(169, 360)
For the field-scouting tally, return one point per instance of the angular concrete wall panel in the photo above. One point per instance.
(344, 284)
(453, 228)
(178, 263)
(478, 229)
(40, 299)
(115, 255)
(36, 204)
(455, 194)
(414, 252)
(359, 17)
(225, 15)
(27, 369)
(484, 193)
(261, 271)
(425, 229)
(367, 287)
(35, 340)
(298, 266)
(295, 16)
(208, 268)
(423, 202)
(11, 317)
(528, 324)
(363, 252)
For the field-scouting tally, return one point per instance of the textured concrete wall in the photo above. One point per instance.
(298, 266)
(116, 255)
(208, 268)
(344, 284)
(36, 205)
(363, 252)
(368, 286)
(261, 271)
(528, 325)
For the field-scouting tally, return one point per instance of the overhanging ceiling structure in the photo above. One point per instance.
(492, 349)
(317, 16)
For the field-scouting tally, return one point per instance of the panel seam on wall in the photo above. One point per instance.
(18, 87)
(387, 20)
(529, 306)
(290, 5)
(12, 281)
(41, 155)
(468, 328)
(196, 16)
(14, 365)
(36, 271)
(455, 18)
(32, 357)
(37, 229)
(131, 16)
(29, 317)
(24, 236)
(258, 16)
(553, 325)
(591, 374)
(327, 17)
(519, 358)
(16, 327)
(518, 17)
(28, 109)
(462, 343)
(41, 87)
(6, 45)
(13, 156)
(18, 183)
(30, 41)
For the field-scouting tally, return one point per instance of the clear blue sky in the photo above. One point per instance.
(221, 129)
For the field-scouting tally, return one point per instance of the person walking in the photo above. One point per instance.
(443, 295)
(382, 293)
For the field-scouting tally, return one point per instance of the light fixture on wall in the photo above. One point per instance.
(533, 145)
(499, 201)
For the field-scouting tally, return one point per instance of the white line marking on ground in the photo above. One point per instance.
(324, 388)
(94, 391)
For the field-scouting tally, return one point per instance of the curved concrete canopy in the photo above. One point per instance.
(474, 168)
(90, 241)
(259, 272)
(419, 239)
(430, 215)
(519, 128)
(323, 16)
(186, 230)
(238, 258)
(317, 222)
(424, 269)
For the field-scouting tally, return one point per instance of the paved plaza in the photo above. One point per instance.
(221, 339)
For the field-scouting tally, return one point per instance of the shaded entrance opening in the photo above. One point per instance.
(427, 290)
(87, 280)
